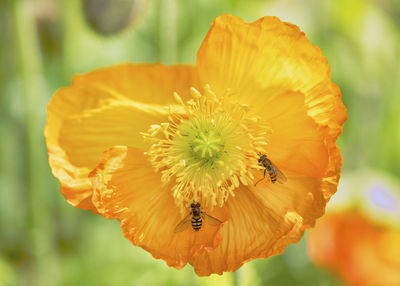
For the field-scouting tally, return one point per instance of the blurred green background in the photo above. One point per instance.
(43, 43)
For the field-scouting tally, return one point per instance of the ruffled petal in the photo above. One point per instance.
(107, 107)
(259, 60)
(127, 188)
(146, 83)
(254, 230)
(77, 135)
(297, 142)
(305, 193)
(326, 108)
(299, 194)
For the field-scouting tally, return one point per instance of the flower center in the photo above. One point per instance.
(208, 143)
(208, 148)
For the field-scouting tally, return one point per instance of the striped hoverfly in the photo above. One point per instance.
(195, 218)
(275, 175)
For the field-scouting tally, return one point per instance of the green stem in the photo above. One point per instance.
(237, 277)
(44, 266)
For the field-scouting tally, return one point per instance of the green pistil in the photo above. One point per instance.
(207, 144)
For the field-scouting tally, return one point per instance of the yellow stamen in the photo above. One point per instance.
(208, 148)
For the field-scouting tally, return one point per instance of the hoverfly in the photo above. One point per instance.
(275, 175)
(195, 218)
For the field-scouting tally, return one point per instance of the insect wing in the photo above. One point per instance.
(280, 177)
(184, 224)
(211, 220)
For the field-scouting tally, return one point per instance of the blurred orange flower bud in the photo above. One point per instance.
(359, 238)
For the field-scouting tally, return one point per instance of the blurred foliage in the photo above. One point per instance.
(44, 241)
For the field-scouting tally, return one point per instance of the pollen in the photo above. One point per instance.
(207, 149)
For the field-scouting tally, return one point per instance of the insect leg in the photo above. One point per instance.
(258, 181)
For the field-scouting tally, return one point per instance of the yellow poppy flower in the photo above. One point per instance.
(142, 143)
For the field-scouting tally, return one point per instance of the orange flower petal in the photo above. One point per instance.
(127, 188)
(104, 108)
(301, 195)
(254, 230)
(256, 60)
(146, 83)
(325, 106)
(327, 109)
(297, 143)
